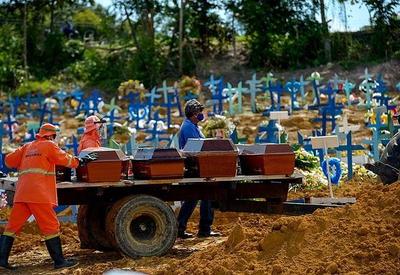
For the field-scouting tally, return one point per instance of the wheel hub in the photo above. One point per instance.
(143, 227)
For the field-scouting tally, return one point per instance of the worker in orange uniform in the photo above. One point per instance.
(91, 136)
(36, 192)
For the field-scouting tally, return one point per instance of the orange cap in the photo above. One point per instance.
(47, 129)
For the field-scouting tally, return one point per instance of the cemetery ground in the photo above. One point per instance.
(363, 238)
(358, 239)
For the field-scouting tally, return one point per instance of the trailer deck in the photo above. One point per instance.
(133, 216)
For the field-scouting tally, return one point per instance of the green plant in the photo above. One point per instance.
(35, 87)
(305, 160)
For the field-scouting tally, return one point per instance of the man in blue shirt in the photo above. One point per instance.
(190, 129)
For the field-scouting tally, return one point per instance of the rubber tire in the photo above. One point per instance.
(119, 226)
(91, 227)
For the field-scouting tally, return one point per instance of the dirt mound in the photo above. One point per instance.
(364, 237)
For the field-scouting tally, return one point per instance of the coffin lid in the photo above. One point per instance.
(105, 154)
(151, 153)
(209, 145)
(263, 148)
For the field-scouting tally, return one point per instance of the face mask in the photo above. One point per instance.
(200, 117)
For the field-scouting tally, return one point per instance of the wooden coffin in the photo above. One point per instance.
(107, 168)
(266, 159)
(210, 157)
(152, 163)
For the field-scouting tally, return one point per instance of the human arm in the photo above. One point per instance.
(13, 160)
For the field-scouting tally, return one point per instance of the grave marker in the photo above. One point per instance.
(325, 142)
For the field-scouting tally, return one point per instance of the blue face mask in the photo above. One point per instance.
(200, 117)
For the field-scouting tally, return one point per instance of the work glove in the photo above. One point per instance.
(88, 158)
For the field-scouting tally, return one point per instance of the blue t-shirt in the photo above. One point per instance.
(188, 130)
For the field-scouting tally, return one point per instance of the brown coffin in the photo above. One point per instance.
(152, 163)
(207, 158)
(107, 167)
(266, 159)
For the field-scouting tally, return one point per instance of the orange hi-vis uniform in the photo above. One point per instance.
(36, 191)
(91, 139)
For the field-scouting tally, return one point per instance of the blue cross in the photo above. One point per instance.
(155, 137)
(152, 100)
(348, 87)
(61, 96)
(253, 89)
(136, 109)
(330, 111)
(293, 88)
(10, 122)
(349, 148)
(376, 132)
(1, 139)
(172, 101)
(218, 97)
(278, 89)
(302, 84)
(77, 94)
(43, 113)
(336, 81)
(15, 103)
(315, 84)
(111, 118)
(165, 90)
(271, 131)
(74, 145)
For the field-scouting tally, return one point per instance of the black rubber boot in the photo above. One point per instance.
(54, 247)
(6, 243)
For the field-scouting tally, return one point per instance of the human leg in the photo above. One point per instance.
(19, 214)
(49, 225)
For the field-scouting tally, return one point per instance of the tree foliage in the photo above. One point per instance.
(79, 41)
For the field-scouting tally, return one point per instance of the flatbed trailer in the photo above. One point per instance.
(134, 216)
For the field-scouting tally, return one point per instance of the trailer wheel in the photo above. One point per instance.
(83, 228)
(91, 227)
(142, 226)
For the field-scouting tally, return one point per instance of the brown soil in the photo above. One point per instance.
(362, 238)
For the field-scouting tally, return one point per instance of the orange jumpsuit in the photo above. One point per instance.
(36, 191)
(90, 139)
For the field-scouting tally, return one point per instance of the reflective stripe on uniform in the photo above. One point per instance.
(36, 171)
(52, 236)
(9, 234)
